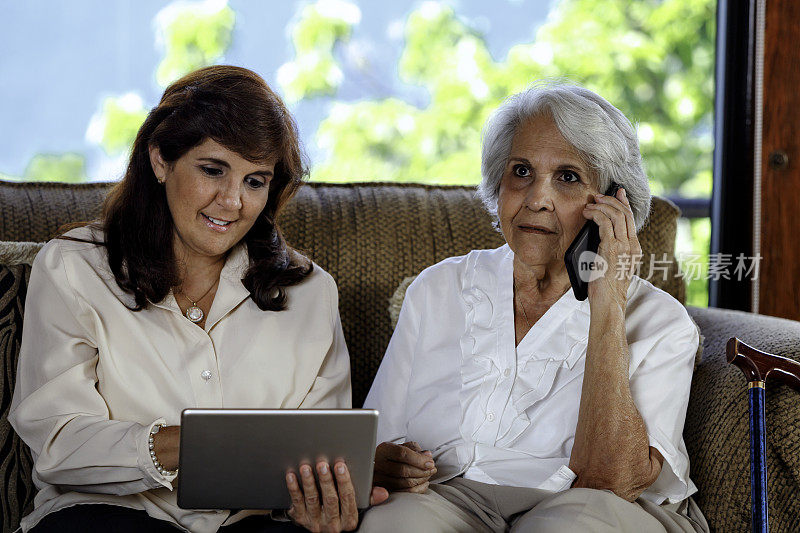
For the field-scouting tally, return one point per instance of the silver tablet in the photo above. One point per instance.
(238, 458)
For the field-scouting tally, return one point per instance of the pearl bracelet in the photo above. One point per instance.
(151, 443)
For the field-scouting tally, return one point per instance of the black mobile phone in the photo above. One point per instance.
(587, 240)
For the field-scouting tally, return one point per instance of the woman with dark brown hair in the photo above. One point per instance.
(184, 294)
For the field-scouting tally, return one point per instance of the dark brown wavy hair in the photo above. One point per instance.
(237, 109)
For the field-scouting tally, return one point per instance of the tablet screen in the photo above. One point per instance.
(238, 458)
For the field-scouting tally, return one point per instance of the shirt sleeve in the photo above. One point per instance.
(57, 409)
(660, 387)
(331, 388)
(389, 390)
(562, 479)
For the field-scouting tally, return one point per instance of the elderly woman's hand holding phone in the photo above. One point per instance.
(619, 245)
(601, 398)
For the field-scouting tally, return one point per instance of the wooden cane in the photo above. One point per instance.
(758, 367)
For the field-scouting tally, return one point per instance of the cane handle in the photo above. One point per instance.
(760, 366)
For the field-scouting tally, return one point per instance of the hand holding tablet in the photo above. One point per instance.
(332, 507)
(240, 459)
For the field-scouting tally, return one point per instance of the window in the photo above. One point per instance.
(381, 90)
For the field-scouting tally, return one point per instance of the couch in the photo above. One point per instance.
(371, 237)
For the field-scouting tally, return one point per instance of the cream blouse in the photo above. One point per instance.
(94, 377)
(454, 380)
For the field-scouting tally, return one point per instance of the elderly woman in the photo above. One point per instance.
(505, 401)
(185, 294)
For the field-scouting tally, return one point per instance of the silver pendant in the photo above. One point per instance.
(194, 313)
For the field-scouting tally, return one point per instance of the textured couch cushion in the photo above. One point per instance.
(34, 211)
(371, 237)
(368, 236)
(16, 487)
(19, 253)
(717, 424)
(657, 238)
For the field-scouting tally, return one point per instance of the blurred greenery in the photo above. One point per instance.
(692, 249)
(315, 71)
(119, 121)
(652, 59)
(69, 167)
(194, 35)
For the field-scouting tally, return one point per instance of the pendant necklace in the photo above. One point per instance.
(193, 312)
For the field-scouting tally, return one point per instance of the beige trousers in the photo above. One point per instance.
(462, 505)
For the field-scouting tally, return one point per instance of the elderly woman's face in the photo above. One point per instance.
(214, 196)
(544, 189)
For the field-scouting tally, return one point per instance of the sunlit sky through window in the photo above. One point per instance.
(60, 60)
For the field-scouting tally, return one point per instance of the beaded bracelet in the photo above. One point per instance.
(151, 443)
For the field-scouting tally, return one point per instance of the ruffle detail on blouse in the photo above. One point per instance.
(521, 422)
(537, 372)
(479, 342)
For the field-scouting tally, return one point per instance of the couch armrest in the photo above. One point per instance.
(717, 423)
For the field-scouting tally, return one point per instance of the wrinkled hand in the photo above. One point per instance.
(403, 467)
(619, 246)
(333, 507)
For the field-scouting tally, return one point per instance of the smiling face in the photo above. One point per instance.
(214, 196)
(543, 191)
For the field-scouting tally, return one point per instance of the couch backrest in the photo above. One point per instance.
(368, 236)
(372, 236)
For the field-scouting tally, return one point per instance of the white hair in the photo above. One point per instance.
(602, 135)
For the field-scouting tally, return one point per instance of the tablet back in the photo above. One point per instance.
(238, 458)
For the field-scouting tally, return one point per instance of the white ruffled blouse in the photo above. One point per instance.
(453, 380)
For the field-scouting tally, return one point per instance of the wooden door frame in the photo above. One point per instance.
(756, 196)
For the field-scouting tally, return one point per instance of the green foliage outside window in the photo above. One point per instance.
(193, 35)
(692, 246)
(315, 70)
(69, 167)
(118, 123)
(652, 59)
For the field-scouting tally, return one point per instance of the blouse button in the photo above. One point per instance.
(490, 417)
(507, 372)
(206, 374)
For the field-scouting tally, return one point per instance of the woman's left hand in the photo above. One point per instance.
(331, 509)
(619, 247)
